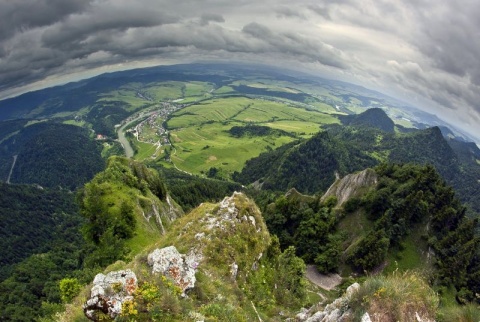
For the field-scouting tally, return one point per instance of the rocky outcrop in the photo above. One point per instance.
(228, 213)
(109, 292)
(336, 311)
(224, 242)
(178, 267)
(352, 185)
(347, 309)
(214, 230)
(162, 212)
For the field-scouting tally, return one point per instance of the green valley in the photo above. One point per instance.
(251, 175)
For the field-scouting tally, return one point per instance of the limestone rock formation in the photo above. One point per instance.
(109, 292)
(179, 267)
(335, 311)
(351, 185)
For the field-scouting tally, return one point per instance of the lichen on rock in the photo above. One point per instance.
(109, 292)
(338, 310)
(179, 267)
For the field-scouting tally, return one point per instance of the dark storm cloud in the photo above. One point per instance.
(18, 15)
(114, 31)
(295, 45)
(102, 19)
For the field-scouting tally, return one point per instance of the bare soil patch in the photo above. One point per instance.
(327, 282)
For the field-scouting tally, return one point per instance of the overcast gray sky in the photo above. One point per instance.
(424, 51)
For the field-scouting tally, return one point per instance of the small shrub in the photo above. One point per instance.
(69, 288)
(129, 310)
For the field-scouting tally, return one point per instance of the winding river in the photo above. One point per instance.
(121, 134)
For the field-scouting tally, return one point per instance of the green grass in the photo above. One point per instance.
(33, 122)
(197, 88)
(200, 132)
(466, 313)
(145, 150)
(244, 109)
(275, 88)
(165, 90)
(199, 149)
(409, 257)
(297, 127)
(266, 111)
(325, 108)
(124, 95)
(77, 123)
(395, 297)
(224, 90)
(215, 110)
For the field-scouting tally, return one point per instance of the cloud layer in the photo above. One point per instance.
(424, 50)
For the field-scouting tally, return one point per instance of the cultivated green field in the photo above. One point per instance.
(199, 131)
(136, 95)
(215, 110)
(201, 138)
(197, 149)
(128, 96)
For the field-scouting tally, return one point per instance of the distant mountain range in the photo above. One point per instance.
(51, 102)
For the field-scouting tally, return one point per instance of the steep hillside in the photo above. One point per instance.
(50, 155)
(310, 166)
(399, 297)
(351, 186)
(217, 263)
(190, 191)
(124, 208)
(33, 221)
(392, 217)
(373, 117)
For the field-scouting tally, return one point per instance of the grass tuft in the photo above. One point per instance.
(396, 297)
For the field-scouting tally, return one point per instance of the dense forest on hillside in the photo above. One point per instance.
(51, 155)
(406, 197)
(310, 166)
(34, 221)
(40, 243)
(105, 116)
(190, 191)
(373, 117)
(50, 237)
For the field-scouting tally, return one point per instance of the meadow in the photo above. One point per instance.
(201, 139)
(199, 132)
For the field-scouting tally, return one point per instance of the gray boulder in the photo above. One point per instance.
(178, 267)
(109, 292)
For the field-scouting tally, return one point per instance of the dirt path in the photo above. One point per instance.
(11, 169)
(327, 282)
